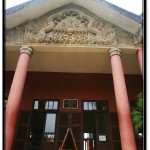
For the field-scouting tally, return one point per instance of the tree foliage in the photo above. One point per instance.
(137, 115)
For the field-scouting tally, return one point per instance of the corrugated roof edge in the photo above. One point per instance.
(129, 14)
(125, 12)
(21, 6)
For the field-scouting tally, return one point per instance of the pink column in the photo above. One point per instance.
(140, 55)
(122, 103)
(15, 94)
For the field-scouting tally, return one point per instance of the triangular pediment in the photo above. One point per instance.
(70, 25)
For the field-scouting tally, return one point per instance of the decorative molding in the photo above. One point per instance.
(114, 51)
(70, 25)
(26, 49)
(138, 38)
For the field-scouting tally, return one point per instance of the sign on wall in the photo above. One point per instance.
(70, 103)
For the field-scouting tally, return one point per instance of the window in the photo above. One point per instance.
(42, 131)
(50, 119)
(95, 105)
(46, 104)
(49, 131)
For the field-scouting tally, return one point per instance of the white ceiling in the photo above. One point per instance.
(72, 59)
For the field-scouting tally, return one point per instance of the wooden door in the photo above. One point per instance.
(72, 121)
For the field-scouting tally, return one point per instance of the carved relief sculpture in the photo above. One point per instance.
(70, 25)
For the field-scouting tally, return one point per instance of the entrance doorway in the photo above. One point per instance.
(43, 125)
(93, 128)
(96, 132)
(70, 120)
(90, 128)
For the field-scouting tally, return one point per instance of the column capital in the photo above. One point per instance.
(114, 51)
(26, 49)
(140, 48)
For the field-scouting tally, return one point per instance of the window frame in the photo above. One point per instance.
(47, 111)
(95, 110)
(53, 110)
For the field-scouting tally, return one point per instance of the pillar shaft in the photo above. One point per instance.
(140, 59)
(122, 103)
(15, 94)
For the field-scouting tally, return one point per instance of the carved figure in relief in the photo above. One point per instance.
(109, 38)
(42, 33)
(103, 35)
(138, 38)
(112, 35)
(73, 27)
(64, 28)
(29, 34)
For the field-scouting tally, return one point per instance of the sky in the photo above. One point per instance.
(11, 3)
(134, 6)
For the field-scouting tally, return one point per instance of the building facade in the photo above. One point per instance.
(73, 69)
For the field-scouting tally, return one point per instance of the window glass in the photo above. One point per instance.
(88, 136)
(36, 104)
(55, 105)
(85, 105)
(49, 105)
(42, 104)
(90, 105)
(48, 138)
(95, 105)
(50, 123)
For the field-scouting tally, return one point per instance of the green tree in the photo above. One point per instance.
(137, 115)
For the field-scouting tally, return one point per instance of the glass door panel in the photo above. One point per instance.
(50, 123)
(73, 121)
(42, 131)
(89, 143)
(89, 131)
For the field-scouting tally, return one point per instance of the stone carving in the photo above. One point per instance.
(72, 27)
(138, 38)
(70, 24)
